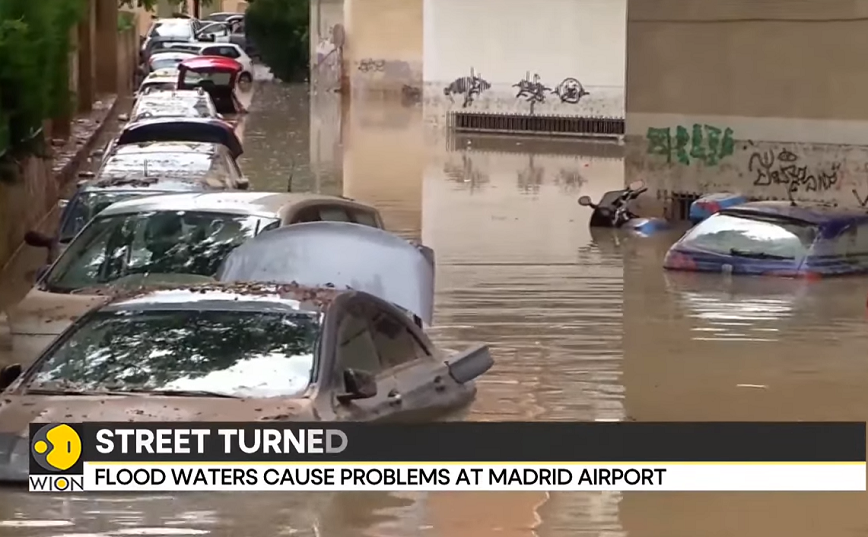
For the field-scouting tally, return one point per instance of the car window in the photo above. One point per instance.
(365, 218)
(228, 52)
(853, 241)
(395, 343)
(166, 63)
(86, 205)
(164, 29)
(733, 235)
(157, 86)
(355, 345)
(222, 169)
(243, 352)
(120, 248)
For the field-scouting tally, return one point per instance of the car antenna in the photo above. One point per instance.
(289, 181)
(790, 195)
(146, 167)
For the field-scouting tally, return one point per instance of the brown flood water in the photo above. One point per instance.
(583, 328)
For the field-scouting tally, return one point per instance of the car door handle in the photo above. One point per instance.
(394, 397)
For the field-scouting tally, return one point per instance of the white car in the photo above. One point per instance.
(174, 103)
(181, 29)
(227, 50)
(160, 80)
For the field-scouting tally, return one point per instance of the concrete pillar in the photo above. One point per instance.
(86, 56)
(327, 38)
(106, 45)
(754, 97)
(383, 50)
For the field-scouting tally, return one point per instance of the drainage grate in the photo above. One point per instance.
(573, 126)
(524, 144)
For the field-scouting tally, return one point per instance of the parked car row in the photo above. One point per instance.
(172, 292)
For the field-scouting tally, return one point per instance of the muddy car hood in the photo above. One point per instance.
(18, 412)
(41, 313)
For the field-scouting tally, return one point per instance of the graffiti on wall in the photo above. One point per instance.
(861, 200)
(371, 65)
(469, 86)
(570, 91)
(533, 91)
(784, 168)
(703, 143)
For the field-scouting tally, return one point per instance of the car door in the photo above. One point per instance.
(422, 384)
(355, 349)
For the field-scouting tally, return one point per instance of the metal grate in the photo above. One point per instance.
(523, 144)
(570, 126)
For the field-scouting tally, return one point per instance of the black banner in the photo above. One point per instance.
(475, 442)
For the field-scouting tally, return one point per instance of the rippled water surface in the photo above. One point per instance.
(583, 327)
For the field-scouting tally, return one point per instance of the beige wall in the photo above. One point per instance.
(383, 51)
(784, 81)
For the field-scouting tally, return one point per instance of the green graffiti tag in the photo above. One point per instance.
(704, 143)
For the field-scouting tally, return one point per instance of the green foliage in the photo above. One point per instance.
(280, 30)
(151, 5)
(34, 68)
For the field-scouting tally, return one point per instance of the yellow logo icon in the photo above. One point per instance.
(56, 447)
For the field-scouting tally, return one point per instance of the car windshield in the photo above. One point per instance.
(237, 353)
(167, 63)
(157, 246)
(751, 235)
(86, 205)
(163, 29)
(154, 86)
(197, 79)
(187, 165)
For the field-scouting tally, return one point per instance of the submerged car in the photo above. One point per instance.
(179, 238)
(255, 351)
(175, 103)
(776, 238)
(179, 129)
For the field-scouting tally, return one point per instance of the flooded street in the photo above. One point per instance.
(583, 327)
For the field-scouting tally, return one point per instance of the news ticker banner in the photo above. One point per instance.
(451, 456)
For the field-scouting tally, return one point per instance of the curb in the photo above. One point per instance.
(63, 171)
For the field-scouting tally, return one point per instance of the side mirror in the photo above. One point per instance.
(243, 184)
(636, 185)
(9, 374)
(61, 204)
(38, 240)
(358, 385)
(220, 116)
(86, 174)
(585, 201)
(123, 117)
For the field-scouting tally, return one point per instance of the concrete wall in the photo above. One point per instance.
(326, 44)
(755, 96)
(383, 51)
(557, 52)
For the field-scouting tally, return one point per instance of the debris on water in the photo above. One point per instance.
(761, 386)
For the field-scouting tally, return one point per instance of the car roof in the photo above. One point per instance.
(161, 77)
(219, 296)
(147, 187)
(147, 148)
(813, 213)
(265, 204)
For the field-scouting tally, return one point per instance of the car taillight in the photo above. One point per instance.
(679, 261)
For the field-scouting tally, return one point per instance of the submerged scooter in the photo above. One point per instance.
(612, 211)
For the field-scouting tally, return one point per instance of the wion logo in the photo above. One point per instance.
(55, 458)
